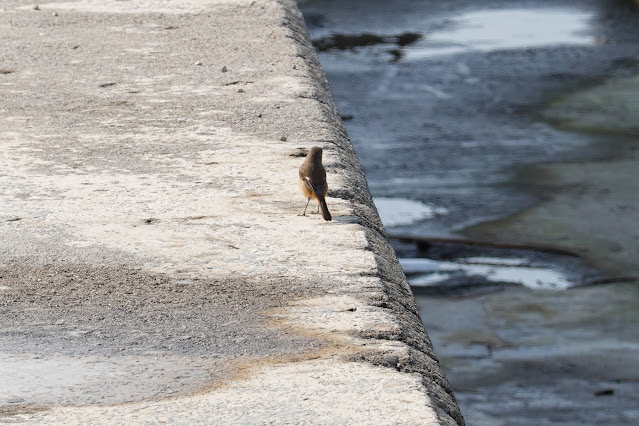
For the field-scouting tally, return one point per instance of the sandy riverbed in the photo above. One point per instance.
(592, 206)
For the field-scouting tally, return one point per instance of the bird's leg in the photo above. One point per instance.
(309, 200)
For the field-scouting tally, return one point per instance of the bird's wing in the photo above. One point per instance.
(314, 186)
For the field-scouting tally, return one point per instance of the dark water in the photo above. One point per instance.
(443, 101)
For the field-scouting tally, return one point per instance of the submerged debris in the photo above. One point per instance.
(352, 41)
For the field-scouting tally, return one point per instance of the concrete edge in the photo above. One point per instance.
(397, 298)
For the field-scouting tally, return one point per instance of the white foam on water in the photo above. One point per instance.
(401, 211)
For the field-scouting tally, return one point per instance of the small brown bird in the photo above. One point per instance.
(312, 181)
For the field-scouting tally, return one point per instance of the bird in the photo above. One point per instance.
(312, 181)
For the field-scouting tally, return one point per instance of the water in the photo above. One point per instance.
(466, 129)
(400, 211)
(449, 130)
(506, 29)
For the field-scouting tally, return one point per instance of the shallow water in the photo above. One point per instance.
(461, 133)
(506, 29)
(453, 131)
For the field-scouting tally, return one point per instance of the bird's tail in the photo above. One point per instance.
(322, 203)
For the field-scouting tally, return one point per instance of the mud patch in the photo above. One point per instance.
(604, 230)
(611, 107)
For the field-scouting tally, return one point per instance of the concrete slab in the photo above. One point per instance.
(153, 263)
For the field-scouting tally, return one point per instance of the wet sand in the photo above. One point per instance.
(593, 211)
(590, 207)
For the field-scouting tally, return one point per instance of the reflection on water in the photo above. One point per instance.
(427, 272)
(490, 30)
(400, 211)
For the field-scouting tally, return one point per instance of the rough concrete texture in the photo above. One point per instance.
(153, 263)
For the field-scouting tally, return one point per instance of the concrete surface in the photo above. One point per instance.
(153, 266)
